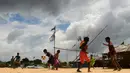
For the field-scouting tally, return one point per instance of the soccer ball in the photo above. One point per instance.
(43, 57)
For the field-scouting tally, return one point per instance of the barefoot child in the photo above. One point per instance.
(92, 61)
(112, 53)
(51, 58)
(12, 62)
(56, 56)
(83, 54)
(17, 60)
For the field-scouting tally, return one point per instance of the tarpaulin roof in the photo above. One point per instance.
(121, 48)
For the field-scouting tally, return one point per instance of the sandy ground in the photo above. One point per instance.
(68, 70)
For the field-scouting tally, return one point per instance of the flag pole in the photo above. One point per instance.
(53, 36)
(54, 39)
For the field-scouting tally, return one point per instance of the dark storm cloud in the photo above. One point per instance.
(51, 6)
(117, 30)
(113, 30)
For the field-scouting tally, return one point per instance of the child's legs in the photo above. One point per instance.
(52, 62)
(88, 60)
(115, 60)
(48, 63)
(56, 64)
(81, 60)
(82, 57)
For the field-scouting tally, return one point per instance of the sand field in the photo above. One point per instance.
(61, 70)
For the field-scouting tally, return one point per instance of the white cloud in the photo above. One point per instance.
(87, 17)
(98, 15)
(12, 36)
(5, 30)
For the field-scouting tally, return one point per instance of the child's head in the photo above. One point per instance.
(91, 55)
(107, 39)
(12, 56)
(86, 39)
(58, 51)
(45, 51)
(17, 54)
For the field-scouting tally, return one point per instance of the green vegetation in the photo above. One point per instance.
(4, 64)
(26, 62)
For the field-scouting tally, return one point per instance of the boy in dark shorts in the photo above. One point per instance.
(83, 54)
(51, 58)
(112, 54)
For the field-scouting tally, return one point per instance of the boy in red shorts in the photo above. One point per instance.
(83, 54)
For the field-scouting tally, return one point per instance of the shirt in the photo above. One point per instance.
(17, 58)
(85, 47)
(49, 55)
(92, 59)
(111, 48)
(56, 56)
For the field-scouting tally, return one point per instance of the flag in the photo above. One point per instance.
(52, 37)
(53, 28)
(79, 38)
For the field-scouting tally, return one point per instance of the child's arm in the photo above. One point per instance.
(82, 46)
(105, 44)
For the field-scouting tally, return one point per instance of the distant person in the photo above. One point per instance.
(56, 56)
(12, 62)
(92, 61)
(83, 54)
(112, 53)
(17, 60)
(51, 58)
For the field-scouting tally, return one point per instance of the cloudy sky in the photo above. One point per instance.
(25, 25)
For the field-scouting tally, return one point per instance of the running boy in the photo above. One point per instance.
(83, 54)
(112, 53)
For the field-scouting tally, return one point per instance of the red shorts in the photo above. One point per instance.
(84, 57)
